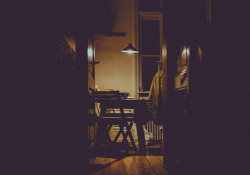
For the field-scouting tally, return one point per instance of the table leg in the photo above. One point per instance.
(141, 138)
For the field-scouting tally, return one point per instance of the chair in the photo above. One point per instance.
(108, 116)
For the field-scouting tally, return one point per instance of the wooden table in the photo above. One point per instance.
(141, 117)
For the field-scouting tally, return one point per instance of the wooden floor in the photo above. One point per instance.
(129, 163)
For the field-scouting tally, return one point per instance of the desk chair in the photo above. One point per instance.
(109, 101)
(97, 105)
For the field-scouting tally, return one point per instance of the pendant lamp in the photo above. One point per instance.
(130, 48)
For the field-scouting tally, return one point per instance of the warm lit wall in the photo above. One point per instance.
(117, 70)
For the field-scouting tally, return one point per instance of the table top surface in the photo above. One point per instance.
(138, 100)
(123, 101)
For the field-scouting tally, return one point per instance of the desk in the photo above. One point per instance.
(141, 117)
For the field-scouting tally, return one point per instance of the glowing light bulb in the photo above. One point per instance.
(185, 51)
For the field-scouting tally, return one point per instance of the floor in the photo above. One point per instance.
(110, 162)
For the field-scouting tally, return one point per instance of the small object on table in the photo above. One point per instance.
(124, 95)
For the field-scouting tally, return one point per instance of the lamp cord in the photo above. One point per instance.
(130, 21)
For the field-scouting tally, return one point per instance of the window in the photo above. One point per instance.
(150, 41)
(150, 5)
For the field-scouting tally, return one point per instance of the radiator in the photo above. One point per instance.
(156, 130)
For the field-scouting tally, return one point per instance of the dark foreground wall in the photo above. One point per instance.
(212, 136)
(43, 96)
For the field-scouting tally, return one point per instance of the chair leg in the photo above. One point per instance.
(125, 135)
(124, 140)
(99, 135)
(107, 134)
(128, 133)
(119, 133)
(103, 135)
(131, 137)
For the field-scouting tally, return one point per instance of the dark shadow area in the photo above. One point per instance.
(154, 151)
(43, 110)
(215, 130)
(115, 151)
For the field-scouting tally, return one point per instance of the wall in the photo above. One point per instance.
(117, 70)
(183, 125)
(210, 141)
